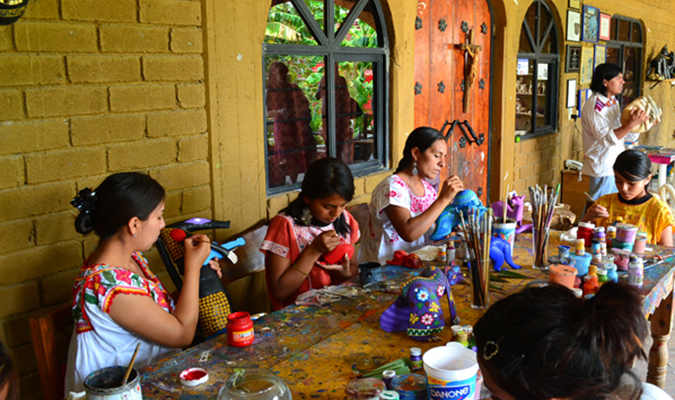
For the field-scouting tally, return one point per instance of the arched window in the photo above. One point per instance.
(313, 111)
(537, 73)
(625, 49)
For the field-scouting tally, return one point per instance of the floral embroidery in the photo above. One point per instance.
(422, 295)
(393, 193)
(427, 319)
(440, 290)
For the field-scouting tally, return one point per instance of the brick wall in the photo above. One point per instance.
(89, 88)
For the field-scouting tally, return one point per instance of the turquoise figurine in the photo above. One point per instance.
(449, 218)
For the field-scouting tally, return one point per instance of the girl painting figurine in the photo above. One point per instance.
(118, 301)
(312, 225)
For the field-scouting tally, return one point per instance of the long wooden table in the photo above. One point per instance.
(317, 351)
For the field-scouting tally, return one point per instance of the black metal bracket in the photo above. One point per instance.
(468, 134)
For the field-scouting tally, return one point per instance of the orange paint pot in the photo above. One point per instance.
(239, 329)
(562, 275)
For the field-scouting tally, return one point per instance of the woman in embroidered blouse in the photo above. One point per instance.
(404, 206)
(545, 343)
(313, 224)
(633, 204)
(118, 301)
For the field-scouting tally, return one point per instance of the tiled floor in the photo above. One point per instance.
(641, 367)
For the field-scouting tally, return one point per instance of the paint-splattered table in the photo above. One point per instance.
(318, 351)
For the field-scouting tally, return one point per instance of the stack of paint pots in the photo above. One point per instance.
(625, 237)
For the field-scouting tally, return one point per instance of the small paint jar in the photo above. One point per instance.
(591, 285)
(592, 270)
(578, 292)
(595, 247)
(635, 273)
(442, 255)
(411, 386)
(387, 376)
(597, 258)
(239, 329)
(611, 232)
(415, 358)
(603, 248)
(602, 275)
(580, 247)
(640, 243)
(450, 250)
(462, 338)
(621, 259)
(617, 244)
(389, 395)
(612, 275)
(581, 263)
(599, 234)
(563, 251)
(585, 231)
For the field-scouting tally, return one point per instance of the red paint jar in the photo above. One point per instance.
(585, 231)
(239, 329)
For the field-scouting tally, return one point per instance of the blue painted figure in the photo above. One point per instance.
(449, 218)
(500, 251)
(417, 310)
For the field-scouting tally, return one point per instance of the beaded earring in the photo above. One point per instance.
(414, 170)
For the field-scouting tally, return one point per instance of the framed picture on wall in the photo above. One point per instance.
(605, 20)
(584, 94)
(574, 4)
(573, 59)
(586, 64)
(590, 24)
(600, 55)
(571, 93)
(573, 26)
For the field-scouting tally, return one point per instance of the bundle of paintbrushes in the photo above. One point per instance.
(478, 234)
(543, 206)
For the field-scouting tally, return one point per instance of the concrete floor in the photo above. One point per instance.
(641, 367)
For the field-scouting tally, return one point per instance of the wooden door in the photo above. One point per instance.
(441, 71)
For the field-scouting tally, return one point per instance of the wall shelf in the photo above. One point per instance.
(657, 82)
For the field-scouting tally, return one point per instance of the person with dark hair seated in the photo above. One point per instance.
(9, 377)
(545, 343)
(315, 223)
(118, 302)
(603, 133)
(404, 206)
(633, 204)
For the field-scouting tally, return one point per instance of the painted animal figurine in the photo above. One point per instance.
(515, 208)
(449, 218)
(417, 311)
(500, 251)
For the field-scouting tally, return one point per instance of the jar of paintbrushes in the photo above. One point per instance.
(543, 207)
(477, 228)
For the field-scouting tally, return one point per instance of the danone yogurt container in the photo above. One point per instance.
(451, 373)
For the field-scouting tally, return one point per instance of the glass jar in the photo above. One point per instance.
(254, 384)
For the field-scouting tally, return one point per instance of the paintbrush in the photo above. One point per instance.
(591, 199)
(131, 365)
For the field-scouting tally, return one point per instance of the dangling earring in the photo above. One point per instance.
(414, 171)
(306, 216)
(135, 234)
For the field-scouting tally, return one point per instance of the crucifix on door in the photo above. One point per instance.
(470, 66)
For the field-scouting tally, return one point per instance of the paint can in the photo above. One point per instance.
(365, 389)
(240, 329)
(370, 272)
(105, 384)
(451, 373)
(410, 386)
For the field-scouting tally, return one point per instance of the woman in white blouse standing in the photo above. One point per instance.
(404, 206)
(603, 133)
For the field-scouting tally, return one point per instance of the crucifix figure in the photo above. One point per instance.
(470, 66)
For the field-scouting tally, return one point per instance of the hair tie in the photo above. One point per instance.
(85, 201)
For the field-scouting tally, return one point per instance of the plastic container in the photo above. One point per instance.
(591, 285)
(105, 384)
(611, 232)
(563, 251)
(581, 263)
(599, 234)
(612, 275)
(387, 376)
(410, 386)
(626, 233)
(585, 231)
(640, 243)
(506, 231)
(617, 244)
(602, 275)
(635, 273)
(254, 384)
(240, 329)
(621, 259)
(442, 255)
(451, 373)
(562, 275)
(415, 358)
(364, 389)
(580, 247)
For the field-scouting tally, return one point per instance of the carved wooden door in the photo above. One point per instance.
(442, 69)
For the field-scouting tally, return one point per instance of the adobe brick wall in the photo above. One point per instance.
(88, 89)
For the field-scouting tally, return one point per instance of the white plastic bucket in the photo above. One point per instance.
(451, 373)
